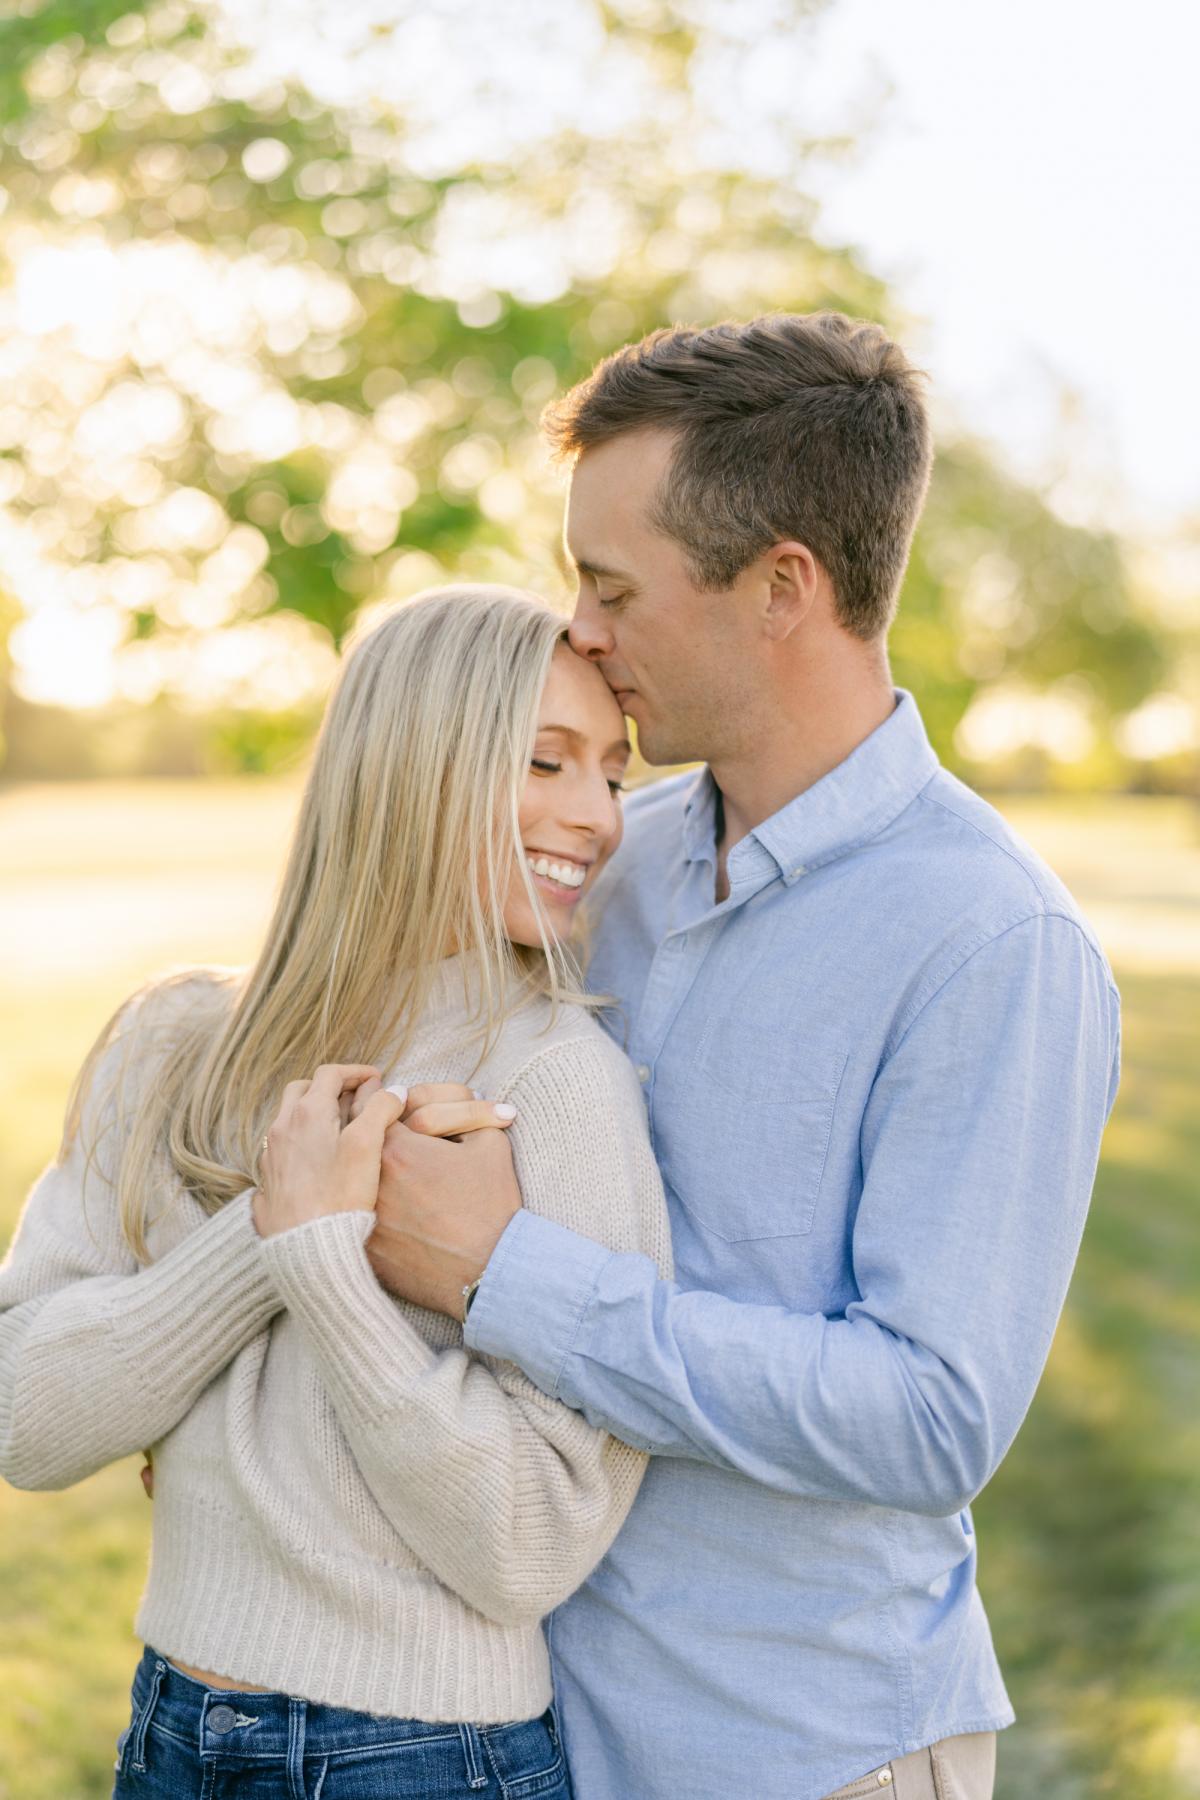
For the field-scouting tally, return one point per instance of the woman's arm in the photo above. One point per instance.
(99, 1357)
(509, 1498)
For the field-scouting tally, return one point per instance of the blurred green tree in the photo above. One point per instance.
(269, 356)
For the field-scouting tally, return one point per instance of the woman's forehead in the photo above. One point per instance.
(578, 702)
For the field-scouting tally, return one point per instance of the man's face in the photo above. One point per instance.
(681, 661)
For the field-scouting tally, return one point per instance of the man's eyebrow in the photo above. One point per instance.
(585, 567)
(576, 737)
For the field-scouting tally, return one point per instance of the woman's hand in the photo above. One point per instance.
(441, 1109)
(321, 1155)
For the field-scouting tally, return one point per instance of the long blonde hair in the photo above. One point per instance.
(404, 849)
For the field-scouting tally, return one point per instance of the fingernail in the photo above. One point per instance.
(395, 1087)
(476, 1094)
(505, 1111)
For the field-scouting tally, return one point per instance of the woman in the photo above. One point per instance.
(358, 1525)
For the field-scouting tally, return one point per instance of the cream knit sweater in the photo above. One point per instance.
(349, 1506)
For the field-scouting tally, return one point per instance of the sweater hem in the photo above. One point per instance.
(390, 1641)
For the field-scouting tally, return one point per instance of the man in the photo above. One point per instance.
(878, 1045)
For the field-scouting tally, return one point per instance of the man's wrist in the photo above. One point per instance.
(540, 1279)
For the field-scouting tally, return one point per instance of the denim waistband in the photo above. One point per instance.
(251, 1724)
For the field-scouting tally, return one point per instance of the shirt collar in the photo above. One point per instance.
(847, 807)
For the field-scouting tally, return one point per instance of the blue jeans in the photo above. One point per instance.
(186, 1741)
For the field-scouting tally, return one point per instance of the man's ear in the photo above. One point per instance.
(793, 577)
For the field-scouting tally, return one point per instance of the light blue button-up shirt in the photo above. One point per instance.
(876, 1076)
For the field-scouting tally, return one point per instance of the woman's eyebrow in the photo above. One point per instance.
(577, 737)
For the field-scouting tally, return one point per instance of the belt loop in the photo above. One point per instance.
(913, 1777)
(143, 1722)
(297, 1710)
(472, 1744)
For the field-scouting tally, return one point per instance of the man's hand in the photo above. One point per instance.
(442, 1209)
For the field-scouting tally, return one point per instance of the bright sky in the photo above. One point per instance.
(1033, 190)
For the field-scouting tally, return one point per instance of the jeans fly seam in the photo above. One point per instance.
(472, 1745)
(297, 1718)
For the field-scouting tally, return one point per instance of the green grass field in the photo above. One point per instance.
(1090, 1534)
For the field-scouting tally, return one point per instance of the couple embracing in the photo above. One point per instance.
(560, 1388)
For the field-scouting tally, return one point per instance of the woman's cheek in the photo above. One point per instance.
(521, 919)
(518, 918)
(614, 842)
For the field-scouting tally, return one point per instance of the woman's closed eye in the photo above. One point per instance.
(549, 768)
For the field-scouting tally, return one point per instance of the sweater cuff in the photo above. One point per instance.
(534, 1295)
(321, 1272)
(219, 1262)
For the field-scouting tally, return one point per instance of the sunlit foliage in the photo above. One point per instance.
(283, 290)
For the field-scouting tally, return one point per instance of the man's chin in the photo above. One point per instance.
(657, 745)
(659, 751)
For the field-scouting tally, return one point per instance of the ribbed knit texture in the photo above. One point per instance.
(348, 1505)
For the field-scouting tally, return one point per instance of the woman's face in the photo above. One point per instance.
(570, 811)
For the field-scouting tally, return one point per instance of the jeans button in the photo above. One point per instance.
(221, 1718)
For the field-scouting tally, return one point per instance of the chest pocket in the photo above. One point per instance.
(747, 1161)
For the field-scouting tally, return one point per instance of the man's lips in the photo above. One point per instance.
(617, 687)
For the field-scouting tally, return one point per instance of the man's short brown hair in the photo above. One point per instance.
(803, 426)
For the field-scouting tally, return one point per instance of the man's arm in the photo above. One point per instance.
(979, 1148)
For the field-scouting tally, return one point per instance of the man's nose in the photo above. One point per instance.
(588, 634)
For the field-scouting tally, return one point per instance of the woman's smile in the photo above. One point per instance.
(560, 877)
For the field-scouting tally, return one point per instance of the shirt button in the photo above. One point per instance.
(643, 1072)
(884, 1777)
(222, 1718)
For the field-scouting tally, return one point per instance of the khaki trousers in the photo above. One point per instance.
(957, 1768)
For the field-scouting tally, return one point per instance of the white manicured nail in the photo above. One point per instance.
(505, 1111)
(397, 1088)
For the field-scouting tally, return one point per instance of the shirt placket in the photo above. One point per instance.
(680, 957)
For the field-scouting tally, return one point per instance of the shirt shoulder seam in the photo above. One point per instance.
(971, 948)
(1001, 848)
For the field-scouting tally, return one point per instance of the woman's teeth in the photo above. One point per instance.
(566, 874)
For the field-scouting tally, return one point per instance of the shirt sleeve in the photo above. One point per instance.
(979, 1148)
(509, 1497)
(98, 1357)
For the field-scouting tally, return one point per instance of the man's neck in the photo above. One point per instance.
(792, 752)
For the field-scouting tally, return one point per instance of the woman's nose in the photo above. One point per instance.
(594, 809)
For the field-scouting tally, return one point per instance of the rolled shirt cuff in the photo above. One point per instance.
(534, 1298)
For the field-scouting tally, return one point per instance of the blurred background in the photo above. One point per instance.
(284, 286)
